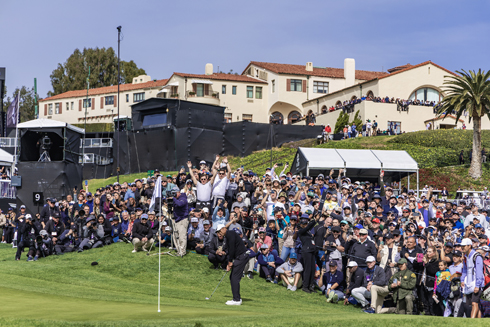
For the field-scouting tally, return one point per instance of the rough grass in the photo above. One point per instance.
(122, 291)
(94, 184)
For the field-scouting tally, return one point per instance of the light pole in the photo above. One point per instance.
(118, 82)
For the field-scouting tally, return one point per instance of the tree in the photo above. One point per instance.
(342, 120)
(72, 75)
(469, 92)
(27, 102)
(357, 120)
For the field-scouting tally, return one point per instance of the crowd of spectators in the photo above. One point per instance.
(352, 242)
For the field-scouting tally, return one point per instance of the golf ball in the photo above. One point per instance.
(207, 298)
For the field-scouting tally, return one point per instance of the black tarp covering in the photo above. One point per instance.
(242, 138)
(54, 179)
(63, 140)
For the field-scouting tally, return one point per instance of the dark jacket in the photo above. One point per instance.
(415, 266)
(51, 228)
(181, 211)
(235, 245)
(356, 279)
(431, 268)
(377, 276)
(141, 230)
(360, 251)
(307, 238)
(27, 232)
(216, 242)
(47, 212)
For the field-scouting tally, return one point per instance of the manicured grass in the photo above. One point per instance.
(94, 184)
(122, 291)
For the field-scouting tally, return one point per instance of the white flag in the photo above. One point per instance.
(157, 193)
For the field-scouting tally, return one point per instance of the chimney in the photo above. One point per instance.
(349, 71)
(209, 69)
(309, 66)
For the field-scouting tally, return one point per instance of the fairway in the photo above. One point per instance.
(122, 291)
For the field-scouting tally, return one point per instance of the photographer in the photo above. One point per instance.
(67, 242)
(26, 236)
(54, 227)
(89, 234)
(142, 234)
(49, 210)
(181, 220)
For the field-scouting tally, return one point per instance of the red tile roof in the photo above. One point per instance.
(442, 117)
(397, 68)
(107, 89)
(323, 72)
(222, 77)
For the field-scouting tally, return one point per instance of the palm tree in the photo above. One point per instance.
(470, 92)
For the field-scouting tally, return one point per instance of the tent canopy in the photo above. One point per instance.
(48, 123)
(359, 164)
(6, 159)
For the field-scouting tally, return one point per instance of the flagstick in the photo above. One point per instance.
(159, 250)
(16, 132)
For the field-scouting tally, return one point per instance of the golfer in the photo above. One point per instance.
(237, 259)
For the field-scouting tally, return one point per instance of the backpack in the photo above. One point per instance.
(485, 295)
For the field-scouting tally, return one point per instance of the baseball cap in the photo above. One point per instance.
(206, 210)
(206, 222)
(344, 222)
(293, 255)
(264, 246)
(144, 216)
(335, 229)
(352, 264)
(458, 253)
(202, 162)
(363, 231)
(168, 228)
(370, 259)
(194, 220)
(478, 226)
(332, 263)
(359, 226)
(28, 216)
(401, 261)
(220, 226)
(262, 230)
(22, 206)
(376, 220)
(466, 241)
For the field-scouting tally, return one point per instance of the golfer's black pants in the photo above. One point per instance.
(236, 275)
(309, 269)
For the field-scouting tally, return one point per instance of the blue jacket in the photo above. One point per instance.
(337, 277)
(262, 259)
(181, 210)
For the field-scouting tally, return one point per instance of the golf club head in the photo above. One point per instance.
(95, 263)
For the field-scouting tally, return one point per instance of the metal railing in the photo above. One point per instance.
(209, 94)
(97, 143)
(95, 159)
(7, 191)
(8, 142)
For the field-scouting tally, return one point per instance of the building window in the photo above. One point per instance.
(426, 94)
(57, 108)
(320, 87)
(258, 92)
(223, 89)
(293, 117)
(89, 102)
(273, 85)
(138, 97)
(250, 92)
(276, 118)
(72, 104)
(67, 106)
(228, 118)
(233, 90)
(109, 100)
(50, 109)
(297, 85)
(199, 90)
(247, 117)
(127, 97)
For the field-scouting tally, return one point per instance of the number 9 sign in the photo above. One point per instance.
(38, 198)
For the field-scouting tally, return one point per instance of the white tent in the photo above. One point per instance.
(6, 159)
(48, 123)
(357, 164)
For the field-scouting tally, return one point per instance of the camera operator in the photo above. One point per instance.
(54, 227)
(26, 234)
(68, 241)
(181, 220)
(89, 234)
(142, 234)
(49, 210)
(44, 245)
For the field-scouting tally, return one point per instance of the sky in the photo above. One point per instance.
(182, 36)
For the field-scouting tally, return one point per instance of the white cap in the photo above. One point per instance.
(466, 241)
(352, 264)
(168, 228)
(370, 259)
(220, 226)
(205, 209)
(194, 220)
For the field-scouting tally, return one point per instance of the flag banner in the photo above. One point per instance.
(12, 112)
(157, 194)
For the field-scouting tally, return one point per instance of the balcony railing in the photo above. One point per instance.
(95, 159)
(97, 143)
(7, 191)
(209, 94)
(7, 142)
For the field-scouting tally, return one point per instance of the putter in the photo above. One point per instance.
(208, 298)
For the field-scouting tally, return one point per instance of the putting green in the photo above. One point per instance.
(66, 308)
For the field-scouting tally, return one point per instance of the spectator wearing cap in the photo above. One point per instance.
(68, 241)
(391, 206)
(195, 227)
(426, 212)
(89, 201)
(289, 236)
(290, 272)
(49, 210)
(362, 249)
(447, 253)
(54, 227)
(472, 277)
(89, 235)
(335, 246)
(332, 281)
(268, 261)
(205, 235)
(308, 252)
(218, 250)
(347, 214)
(373, 282)
(356, 279)
(456, 269)
(142, 234)
(165, 237)
(476, 215)
(181, 221)
(387, 255)
(402, 284)
(374, 231)
(27, 232)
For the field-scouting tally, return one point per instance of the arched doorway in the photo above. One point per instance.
(353, 97)
(293, 117)
(276, 118)
(338, 104)
(370, 95)
(284, 109)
